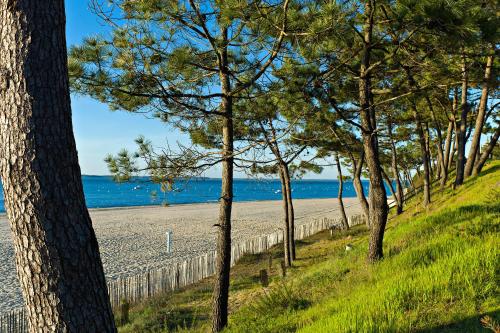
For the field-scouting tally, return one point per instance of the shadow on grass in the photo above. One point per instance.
(469, 325)
(488, 171)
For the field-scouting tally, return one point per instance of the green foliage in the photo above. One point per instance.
(440, 274)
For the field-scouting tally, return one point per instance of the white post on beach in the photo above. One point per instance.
(169, 241)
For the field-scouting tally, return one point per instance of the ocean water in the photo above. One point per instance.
(102, 191)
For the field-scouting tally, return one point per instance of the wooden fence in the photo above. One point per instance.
(14, 322)
(177, 275)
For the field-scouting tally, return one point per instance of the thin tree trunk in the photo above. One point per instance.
(345, 223)
(454, 111)
(289, 239)
(358, 186)
(394, 165)
(447, 145)
(423, 144)
(478, 129)
(223, 260)
(425, 159)
(389, 184)
(437, 126)
(378, 196)
(454, 147)
(286, 217)
(291, 213)
(409, 179)
(57, 254)
(430, 157)
(486, 153)
(463, 126)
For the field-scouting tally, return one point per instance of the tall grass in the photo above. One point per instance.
(440, 274)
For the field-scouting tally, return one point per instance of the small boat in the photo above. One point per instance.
(277, 191)
(138, 187)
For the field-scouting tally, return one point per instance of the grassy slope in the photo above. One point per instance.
(440, 274)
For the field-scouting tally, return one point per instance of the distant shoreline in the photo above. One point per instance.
(131, 207)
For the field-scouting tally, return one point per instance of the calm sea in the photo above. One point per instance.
(102, 191)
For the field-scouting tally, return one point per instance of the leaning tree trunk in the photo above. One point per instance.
(424, 148)
(454, 147)
(394, 165)
(389, 184)
(378, 196)
(430, 157)
(486, 153)
(57, 255)
(358, 186)
(345, 223)
(446, 155)
(223, 262)
(439, 133)
(425, 158)
(286, 230)
(473, 152)
(291, 213)
(462, 134)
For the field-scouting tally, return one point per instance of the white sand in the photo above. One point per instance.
(132, 240)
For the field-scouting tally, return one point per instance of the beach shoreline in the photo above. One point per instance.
(132, 239)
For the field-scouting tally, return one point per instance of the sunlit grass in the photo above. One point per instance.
(440, 274)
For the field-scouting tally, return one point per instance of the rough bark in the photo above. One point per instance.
(486, 153)
(462, 133)
(223, 261)
(57, 255)
(378, 196)
(358, 186)
(345, 223)
(394, 165)
(481, 113)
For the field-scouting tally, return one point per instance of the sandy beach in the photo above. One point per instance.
(133, 240)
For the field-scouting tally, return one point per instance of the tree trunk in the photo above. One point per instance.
(378, 196)
(446, 155)
(291, 213)
(389, 184)
(425, 159)
(223, 260)
(463, 126)
(423, 143)
(437, 126)
(430, 157)
(286, 219)
(454, 146)
(486, 153)
(394, 165)
(345, 223)
(57, 255)
(480, 118)
(409, 179)
(358, 186)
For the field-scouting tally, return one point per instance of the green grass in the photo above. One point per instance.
(440, 274)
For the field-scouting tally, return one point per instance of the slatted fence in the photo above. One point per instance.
(157, 281)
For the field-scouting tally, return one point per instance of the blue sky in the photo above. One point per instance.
(99, 131)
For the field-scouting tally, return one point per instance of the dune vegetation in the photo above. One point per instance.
(440, 274)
